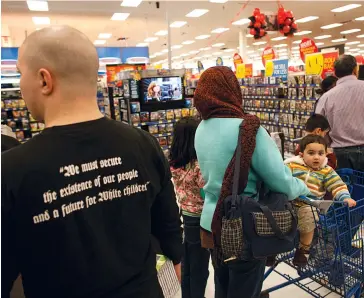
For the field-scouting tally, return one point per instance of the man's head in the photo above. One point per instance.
(56, 64)
(317, 125)
(313, 150)
(346, 65)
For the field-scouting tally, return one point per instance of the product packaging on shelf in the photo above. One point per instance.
(169, 127)
(153, 129)
(170, 114)
(162, 128)
(162, 141)
(154, 116)
(177, 114)
(144, 116)
(135, 118)
(135, 107)
(162, 115)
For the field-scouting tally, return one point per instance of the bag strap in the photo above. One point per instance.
(277, 231)
(236, 178)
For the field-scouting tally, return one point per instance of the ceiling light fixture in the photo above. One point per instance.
(202, 36)
(38, 5)
(322, 37)
(258, 43)
(361, 45)
(307, 19)
(217, 53)
(320, 43)
(346, 7)
(152, 56)
(161, 33)
(188, 42)
(229, 50)
(303, 32)
(130, 3)
(178, 46)
(218, 1)
(220, 30)
(350, 31)
(281, 45)
(359, 19)
(120, 16)
(142, 44)
(185, 55)
(150, 39)
(295, 48)
(297, 41)
(353, 42)
(279, 38)
(360, 36)
(41, 20)
(194, 52)
(158, 54)
(241, 22)
(217, 45)
(334, 25)
(178, 24)
(99, 42)
(196, 13)
(105, 35)
(355, 50)
(338, 40)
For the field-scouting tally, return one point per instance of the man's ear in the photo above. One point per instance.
(45, 81)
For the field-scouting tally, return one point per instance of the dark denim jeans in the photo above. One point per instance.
(239, 279)
(195, 262)
(350, 157)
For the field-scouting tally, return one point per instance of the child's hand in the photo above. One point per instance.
(350, 202)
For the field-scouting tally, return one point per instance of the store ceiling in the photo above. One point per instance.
(94, 17)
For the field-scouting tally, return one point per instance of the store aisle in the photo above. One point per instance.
(274, 279)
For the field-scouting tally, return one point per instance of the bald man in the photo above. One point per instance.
(81, 201)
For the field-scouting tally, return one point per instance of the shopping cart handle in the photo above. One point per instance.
(323, 205)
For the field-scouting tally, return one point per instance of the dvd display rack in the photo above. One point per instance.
(282, 106)
(15, 114)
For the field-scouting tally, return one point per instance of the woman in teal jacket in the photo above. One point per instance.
(218, 100)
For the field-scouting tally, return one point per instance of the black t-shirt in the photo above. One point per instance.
(80, 204)
(8, 142)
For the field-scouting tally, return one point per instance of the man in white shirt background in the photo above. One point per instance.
(344, 108)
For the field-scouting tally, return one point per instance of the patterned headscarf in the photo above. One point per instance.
(218, 95)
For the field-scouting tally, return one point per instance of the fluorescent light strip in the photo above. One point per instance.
(202, 36)
(279, 38)
(120, 16)
(361, 45)
(165, 51)
(142, 44)
(303, 33)
(297, 41)
(150, 39)
(359, 19)
(346, 7)
(353, 42)
(130, 3)
(360, 36)
(281, 45)
(339, 40)
(38, 5)
(178, 24)
(41, 20)
(220, 30)
(241, 22)
(218, 1)
(322, 37)
(188, 42)
(258, 43)
(295, 48)
(217, 53)
(217, 45)
(177, 46)
(105, 35)
(99, 42)
(194, 52)
(229, 50)
(161, 33)
(320, 43)
(350, 31)
(331, 26)
(307, 19)
(196, 13)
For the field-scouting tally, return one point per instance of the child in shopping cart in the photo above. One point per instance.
(311, 167)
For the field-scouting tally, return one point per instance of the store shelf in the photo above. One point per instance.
(266, 85)
(37, 130)
(304, 85)
(162, 134)
(165, 147)
(282, 124)
(21, 129)
(9, 89)
(13, 109)
(259, 97)
(15, 119)
(278, 111)
(154, 123)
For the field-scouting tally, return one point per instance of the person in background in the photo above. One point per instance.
(318, 125)
(8, 138)
(188, 184)
(312, 168)
(327, 84)
(218, 100)
(78, 220)
(343, 106)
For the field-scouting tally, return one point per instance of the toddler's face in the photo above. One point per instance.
(314, 155)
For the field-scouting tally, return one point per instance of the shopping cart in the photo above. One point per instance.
(336, 260)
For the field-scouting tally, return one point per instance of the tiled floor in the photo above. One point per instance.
(273, 280)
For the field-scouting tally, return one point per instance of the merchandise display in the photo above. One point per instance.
(282, 107)
(15, 114)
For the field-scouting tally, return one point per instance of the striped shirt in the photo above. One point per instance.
(319, 181)
(343, 107)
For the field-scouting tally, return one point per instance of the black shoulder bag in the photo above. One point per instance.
(256, 228)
